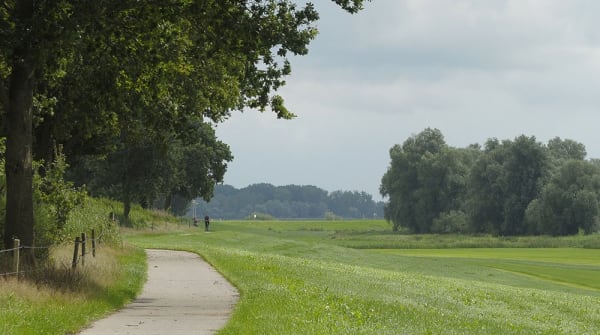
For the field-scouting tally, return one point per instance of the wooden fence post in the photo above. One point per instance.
(17, 247)
(83, 240)
(93, 243)
(76, 251)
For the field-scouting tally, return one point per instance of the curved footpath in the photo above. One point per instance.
(183, 295)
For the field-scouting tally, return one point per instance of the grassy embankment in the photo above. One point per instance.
(57, 300)
(302, 278)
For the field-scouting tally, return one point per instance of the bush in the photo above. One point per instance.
(330, 216)
(94, 214)
(452, 222)
(54, 200)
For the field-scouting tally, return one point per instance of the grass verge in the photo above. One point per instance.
(63, 301)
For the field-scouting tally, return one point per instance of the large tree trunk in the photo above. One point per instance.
(126, 209)
(168, 200)
(126, 203)
(19, 172)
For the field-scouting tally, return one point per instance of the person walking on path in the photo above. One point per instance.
(206, 223)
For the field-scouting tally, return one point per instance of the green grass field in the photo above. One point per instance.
(355, 277)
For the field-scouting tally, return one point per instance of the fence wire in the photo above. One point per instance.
(96, 239)
(22, 247)
(8, 250)
(9, 273)
(29, 247)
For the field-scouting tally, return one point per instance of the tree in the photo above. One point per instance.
(351, 204)
(564, 150)
(486, 189)
(186, 166)
(502, 183)
(526, 166)
(201, 165)
(568, 203)
(561, 151)
(218, 56)
(421, 182)
(290, 201)
(30, 34)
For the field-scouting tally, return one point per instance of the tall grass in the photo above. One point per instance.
(102, 212)
(55, 299)
(95, 214)
(61, 301)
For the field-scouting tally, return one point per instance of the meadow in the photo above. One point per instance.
(357, 277)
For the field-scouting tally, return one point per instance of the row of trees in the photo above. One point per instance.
(291, 201)
(509, 187)
(130, 89)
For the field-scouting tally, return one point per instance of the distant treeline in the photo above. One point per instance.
(509, 187)
(287, 202)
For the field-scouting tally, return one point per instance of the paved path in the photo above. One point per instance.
(183, 295)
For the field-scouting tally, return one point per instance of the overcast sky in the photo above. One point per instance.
(474, 69)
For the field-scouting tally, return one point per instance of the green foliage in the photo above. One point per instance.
(351, 6)
(422, 182)
(202, 164)
(107, 75)
(290, 202)
(55, 199)
(452, 222)
(106, 211)
(62, 211)
(569, 202)
(511, 187)
(503, 181)
(158, 64)
(57, 194)
(149, 169)
(330, 216)
(93, 214)
(353, 204)
(561, 151)
(180, 205)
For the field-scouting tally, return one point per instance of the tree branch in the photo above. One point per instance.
(5, 5)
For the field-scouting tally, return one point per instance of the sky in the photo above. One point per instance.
(473, 69)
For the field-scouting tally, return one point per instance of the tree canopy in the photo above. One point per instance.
(509, 187)
(103, 75)
(286, 202)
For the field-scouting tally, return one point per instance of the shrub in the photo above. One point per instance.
(330, 216)
(452, 222)
(54, 199)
